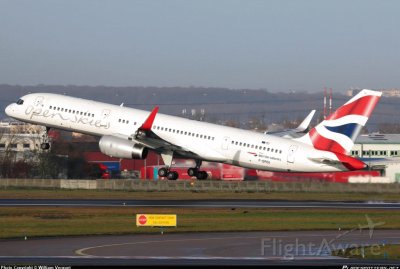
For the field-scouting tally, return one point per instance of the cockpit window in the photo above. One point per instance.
(20, 102)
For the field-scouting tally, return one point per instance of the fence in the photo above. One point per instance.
(200, 186)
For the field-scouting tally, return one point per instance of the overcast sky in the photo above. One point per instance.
(274, 45)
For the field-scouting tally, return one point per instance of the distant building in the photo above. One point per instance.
(385, 92)
(20, 138)
(377, 145)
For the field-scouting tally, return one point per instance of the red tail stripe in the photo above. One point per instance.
(362, 106)
(350, 162)
(323, 143)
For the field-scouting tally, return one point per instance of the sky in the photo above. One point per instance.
(240, 44)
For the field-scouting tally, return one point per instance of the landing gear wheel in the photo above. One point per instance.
(192, 172)
(162, 172)
(201, 175)
(172, 175)
(45, 146)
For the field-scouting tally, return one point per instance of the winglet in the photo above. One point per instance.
(148, 123)
(306, 122)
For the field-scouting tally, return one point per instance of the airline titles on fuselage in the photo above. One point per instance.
(39, 112)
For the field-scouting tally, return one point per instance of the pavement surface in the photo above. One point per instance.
(242, 248)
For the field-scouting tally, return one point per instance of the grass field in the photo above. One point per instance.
(18, 222)
(103, 194)
(372, 252)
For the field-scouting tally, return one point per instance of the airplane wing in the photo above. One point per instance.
(148, 138)
(296, 132)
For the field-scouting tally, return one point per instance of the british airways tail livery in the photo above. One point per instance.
(130, 133)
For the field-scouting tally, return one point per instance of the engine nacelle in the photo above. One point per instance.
(121, 148)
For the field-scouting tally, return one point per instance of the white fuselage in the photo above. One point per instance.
(201, 140)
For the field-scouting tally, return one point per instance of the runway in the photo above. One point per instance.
(242, 248)
(199, 203)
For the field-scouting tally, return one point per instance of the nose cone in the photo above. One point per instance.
(9, 110)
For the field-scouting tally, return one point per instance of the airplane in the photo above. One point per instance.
(130, 133)
(370, 225)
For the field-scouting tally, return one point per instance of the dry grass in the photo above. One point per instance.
(63, 221)
(391, 252)
(132, 195)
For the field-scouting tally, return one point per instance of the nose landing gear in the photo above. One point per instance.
(45, 145)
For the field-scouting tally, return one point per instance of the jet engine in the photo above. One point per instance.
(121, 148)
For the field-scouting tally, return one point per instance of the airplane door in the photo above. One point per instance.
(38, 101)
(291, 153)
(225, 143)
(105, 113)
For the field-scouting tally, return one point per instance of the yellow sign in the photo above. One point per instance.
(156, 220)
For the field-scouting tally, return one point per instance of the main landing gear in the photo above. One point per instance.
(45, 145)
(173, 175)
(195, 172)
(165, 172)
(170, 175)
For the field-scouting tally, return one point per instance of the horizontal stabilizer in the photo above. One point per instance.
(349, 162)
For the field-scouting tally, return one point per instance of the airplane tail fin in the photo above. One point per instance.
(338, 132)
